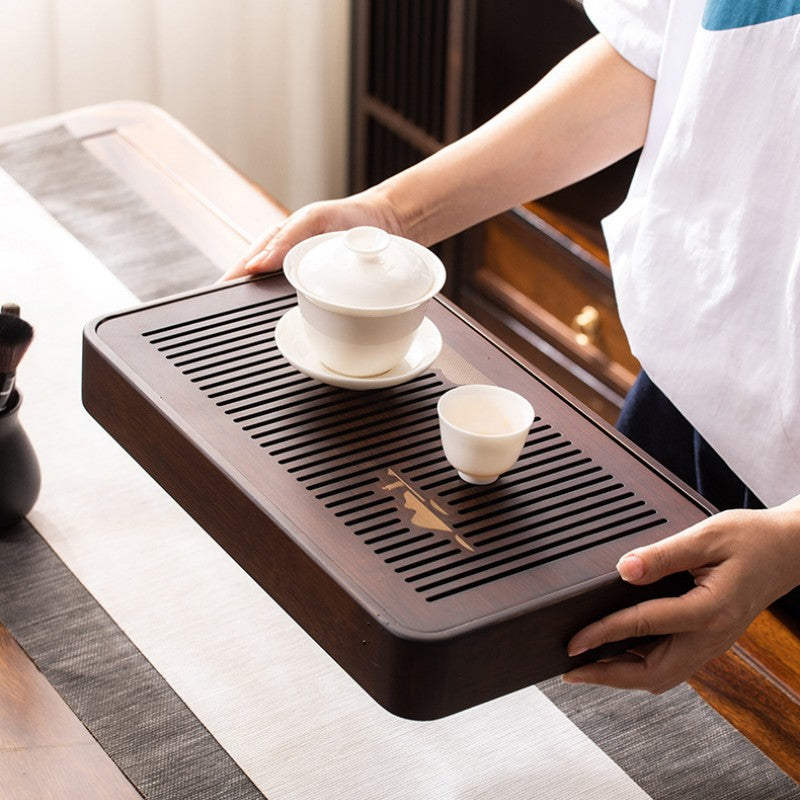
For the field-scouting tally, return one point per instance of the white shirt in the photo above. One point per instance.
(705, 250)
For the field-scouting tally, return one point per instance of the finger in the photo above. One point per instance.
(643, 650)
(671, 662)
(309, 221)
(258, 247)
(628, 655)
(617, 673)
(253, 254)
(691, 549)
(232, 273)
(624, 674)
(658, 617)
(271, 257)
(637, 653)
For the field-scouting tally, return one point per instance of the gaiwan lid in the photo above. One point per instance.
(365, 268)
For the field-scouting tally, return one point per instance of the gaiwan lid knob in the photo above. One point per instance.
(365, 267)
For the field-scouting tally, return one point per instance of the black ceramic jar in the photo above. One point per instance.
(20, 478)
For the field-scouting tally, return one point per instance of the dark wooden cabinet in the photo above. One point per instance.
(427, 71)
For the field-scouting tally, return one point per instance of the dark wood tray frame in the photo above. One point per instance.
(416, 662)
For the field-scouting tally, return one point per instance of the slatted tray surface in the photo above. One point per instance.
(342, 505)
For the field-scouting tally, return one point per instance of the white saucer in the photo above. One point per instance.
(292, 342)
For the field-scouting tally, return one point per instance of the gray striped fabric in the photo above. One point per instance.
(128, 707)
(146, 729)
(132, 239)
(674, 746)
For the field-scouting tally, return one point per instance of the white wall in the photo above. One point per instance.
(264, 82)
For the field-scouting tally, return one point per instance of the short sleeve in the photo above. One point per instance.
(634, 28)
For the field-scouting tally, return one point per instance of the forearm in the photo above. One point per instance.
(588, 112)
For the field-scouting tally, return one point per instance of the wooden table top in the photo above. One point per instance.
(44, 749)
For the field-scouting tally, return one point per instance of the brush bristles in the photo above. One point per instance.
(15, 337)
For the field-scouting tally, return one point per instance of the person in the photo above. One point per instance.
(705, 255)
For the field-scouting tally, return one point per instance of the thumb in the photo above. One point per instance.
(684, 551)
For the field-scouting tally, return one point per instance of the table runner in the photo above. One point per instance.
(93, 204)
(381, 756)
(129, 708)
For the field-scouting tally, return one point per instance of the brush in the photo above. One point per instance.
(15, 338)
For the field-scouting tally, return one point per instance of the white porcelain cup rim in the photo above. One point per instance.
(490, 389)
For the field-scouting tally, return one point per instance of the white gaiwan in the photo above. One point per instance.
(362, 295)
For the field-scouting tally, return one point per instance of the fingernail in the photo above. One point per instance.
(259, 258)
(576, 651)
(630, 568)
(569, 677)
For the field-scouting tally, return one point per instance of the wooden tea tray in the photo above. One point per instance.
(433, 594)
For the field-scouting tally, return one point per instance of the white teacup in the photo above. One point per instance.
(362, 295)
(483, 430)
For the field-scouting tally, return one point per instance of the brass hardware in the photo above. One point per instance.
(586, 324)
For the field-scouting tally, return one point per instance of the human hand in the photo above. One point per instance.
(741, 562)
(268, 251)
